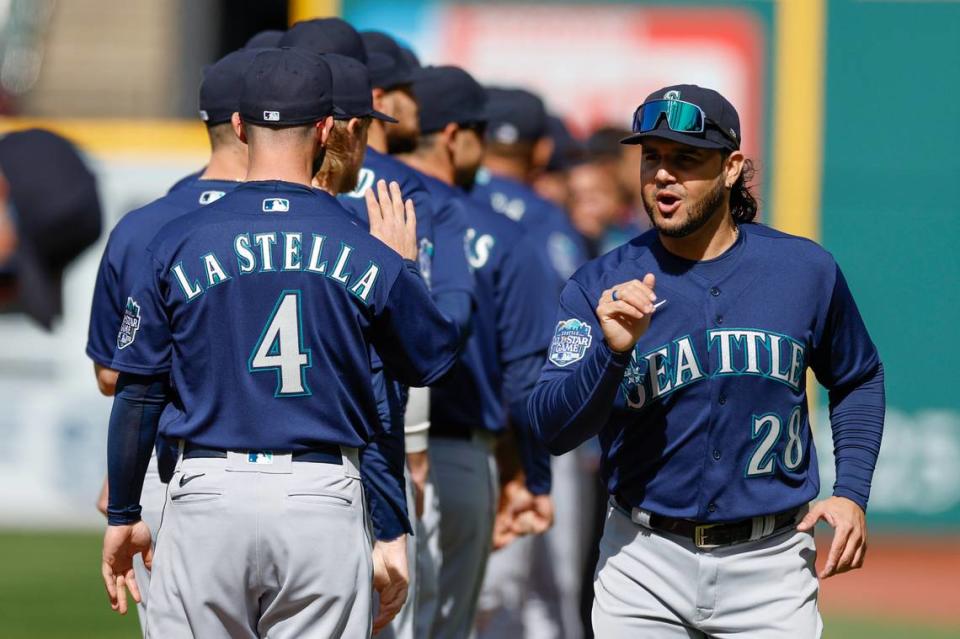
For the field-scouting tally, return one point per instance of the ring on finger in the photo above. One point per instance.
(613, 295)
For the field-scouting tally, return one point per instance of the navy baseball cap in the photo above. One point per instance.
(352, 93)
(389, 67)
(326, 35)
(516, 115)
(410, 58)
(688, 114)
(568, 151)
(448, 94)
(267, 39)
(286, 87)
(53, 225)
(221, 86)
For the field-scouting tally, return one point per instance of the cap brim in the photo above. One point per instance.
(383, 117)
(674, 136)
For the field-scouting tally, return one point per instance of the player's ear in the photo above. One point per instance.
(353, 126)
(323, 128)
(237, 125)
(542, 149)
(732, 168)
(449, 135)
(379, 99)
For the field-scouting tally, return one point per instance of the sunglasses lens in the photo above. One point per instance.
(681, 116)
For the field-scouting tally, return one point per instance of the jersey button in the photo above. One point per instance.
(712, 508)
(715, 291)
(722, 399)
(716, 453)
(719, 319)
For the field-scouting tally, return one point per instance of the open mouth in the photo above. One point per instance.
(668, 202)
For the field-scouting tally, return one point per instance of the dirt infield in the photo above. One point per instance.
(903, 577)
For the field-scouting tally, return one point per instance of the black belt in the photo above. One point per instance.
(706, 535)
(451, 431)
(322, 454)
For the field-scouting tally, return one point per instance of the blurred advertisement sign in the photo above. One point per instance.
(595, 64)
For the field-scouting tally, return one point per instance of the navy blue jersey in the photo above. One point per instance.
(263, 307)
(187, 180)
(379, 166)
(124, 252)
(707, 418)
(511, 321)
(546, 223)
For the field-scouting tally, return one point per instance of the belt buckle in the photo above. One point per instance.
(698, 536)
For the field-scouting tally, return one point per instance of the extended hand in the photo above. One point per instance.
(393, 221)
(391, 577)
(625, 317)
(120, 544)
(537, 519)
(849, 523)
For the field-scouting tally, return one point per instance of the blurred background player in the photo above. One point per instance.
(42, 229)
(124, 254)
(565, 153)
(504, 353)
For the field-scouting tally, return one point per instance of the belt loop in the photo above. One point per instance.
(181, 443)
(351, 462)
(641, 517)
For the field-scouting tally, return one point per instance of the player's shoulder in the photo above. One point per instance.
(597, 272)
(788, 250)
(388, 167)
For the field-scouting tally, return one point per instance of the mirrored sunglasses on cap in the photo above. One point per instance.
(682, 117)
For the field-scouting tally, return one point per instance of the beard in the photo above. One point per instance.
(400, 141)
(465, 177)
(698, 213)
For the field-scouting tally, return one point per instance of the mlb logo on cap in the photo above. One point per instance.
(276, 205)
(271, 116)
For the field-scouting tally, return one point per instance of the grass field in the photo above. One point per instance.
(50, 588)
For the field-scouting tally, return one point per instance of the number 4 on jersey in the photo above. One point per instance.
(280, 348)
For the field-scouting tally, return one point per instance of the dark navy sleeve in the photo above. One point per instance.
(137, 406)
(525, 309)
(144, 342)
(451, 271)
(381, 469)
(519, 377)
(417, 343)
(105, 311)
(846, 362)
(577, 387)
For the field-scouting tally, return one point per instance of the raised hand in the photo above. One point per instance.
(625, 310)
(393, 221)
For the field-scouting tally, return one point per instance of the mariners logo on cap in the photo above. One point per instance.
(570, 342)
(129, 325)
(276, 205)
(671, 95)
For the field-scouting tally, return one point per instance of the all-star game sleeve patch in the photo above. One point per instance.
(570, 342)
(130, 324)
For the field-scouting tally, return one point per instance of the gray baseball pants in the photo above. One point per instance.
(468, 489)
(653, 584)
(254, 549)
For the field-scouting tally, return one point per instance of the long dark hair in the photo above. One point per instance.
(743, 203)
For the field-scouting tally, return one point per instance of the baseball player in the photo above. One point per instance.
(686, 350)
(219, 96)
(265, 531)
(440, 237)
(518, 147)
(503, 355)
